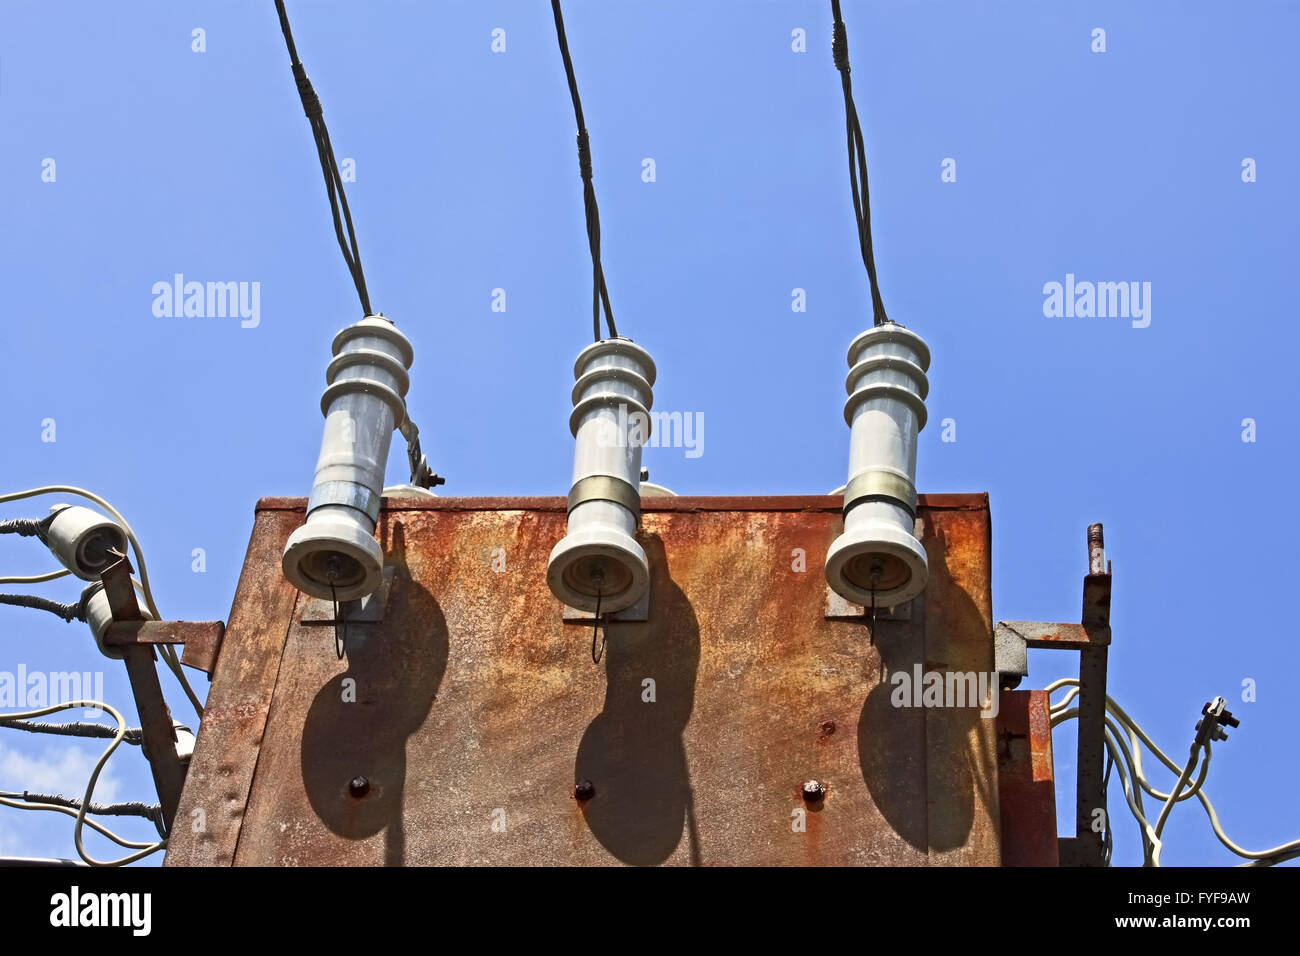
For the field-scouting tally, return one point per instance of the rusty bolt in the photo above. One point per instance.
(827, 727)
(358, 787)
(1096, 550)
(584, 790)
(813, 790)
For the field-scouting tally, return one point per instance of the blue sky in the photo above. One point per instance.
(1117, 166)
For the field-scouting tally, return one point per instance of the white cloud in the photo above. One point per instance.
(64, 768)
(49, 765)
(62, 765)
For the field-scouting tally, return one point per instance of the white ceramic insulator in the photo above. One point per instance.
(877, 557)
(599, 559)
(334, 554)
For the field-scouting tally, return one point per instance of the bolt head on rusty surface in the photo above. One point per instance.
(358, 787)
(813, 790)
(584, 790)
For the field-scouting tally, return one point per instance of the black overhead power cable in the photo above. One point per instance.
(25, 527)
(133, 808)
(420, 473)
(857, 163)
(599, 294)
(129, 808)
(68, 612)
(329, 166)
(133, 735)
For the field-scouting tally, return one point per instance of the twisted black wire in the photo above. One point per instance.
(857, 162)
(329, 165)
(68, 612)
(599, 292)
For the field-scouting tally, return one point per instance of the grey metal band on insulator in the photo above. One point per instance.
(348, 493)
(880, 486)
(882, 390)
(364, 387)
(605, 488)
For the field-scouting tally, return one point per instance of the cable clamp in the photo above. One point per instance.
(584, 155)
(840, 46)
(310, 101)
(422, 475)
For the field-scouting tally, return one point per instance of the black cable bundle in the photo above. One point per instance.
(857, 162)
(599, 293)
(329, 166)
(24, 527)
(133, 735)
(69, 612)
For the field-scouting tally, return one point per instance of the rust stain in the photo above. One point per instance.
(1025, 781)
(473, 709)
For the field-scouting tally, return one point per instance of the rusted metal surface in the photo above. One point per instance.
(202, 646)
(157, 731)
(956, 618)
(1026, 788)
(1096, 603)
(1091, 638)
(201, 639)
(213, 802)
(1096, 549)
(1087, 849)
(485, 734)
(1040, 634)
(125, 633)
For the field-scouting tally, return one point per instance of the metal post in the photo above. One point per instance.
(1091, 638)
(1091, 793)
(1096, 549)
(159, 743)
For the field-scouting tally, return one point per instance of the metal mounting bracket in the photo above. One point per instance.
(367, 610)
(841, 609)
(638, 612)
